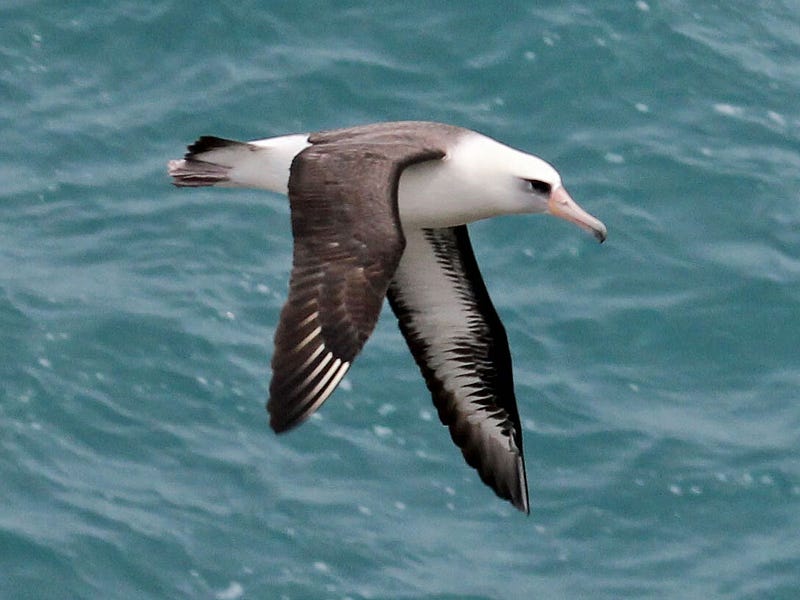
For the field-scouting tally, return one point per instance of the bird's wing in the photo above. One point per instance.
(460, 345)
(347, 244)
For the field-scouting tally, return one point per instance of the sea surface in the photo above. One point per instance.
(657, 375)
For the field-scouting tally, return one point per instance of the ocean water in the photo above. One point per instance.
(658, 375)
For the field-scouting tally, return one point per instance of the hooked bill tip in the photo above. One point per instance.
(561, 205)
(600, 234)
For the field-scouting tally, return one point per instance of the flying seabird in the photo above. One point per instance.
(381, 211)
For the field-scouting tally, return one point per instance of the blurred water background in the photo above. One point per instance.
(657, 375)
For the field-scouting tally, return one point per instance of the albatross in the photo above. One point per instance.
(380, 211)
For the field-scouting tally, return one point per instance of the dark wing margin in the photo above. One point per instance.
(460, 344)
(347, 244)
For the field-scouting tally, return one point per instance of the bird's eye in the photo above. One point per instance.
(540, 187)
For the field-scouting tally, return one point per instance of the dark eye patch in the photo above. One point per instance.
(541, 187)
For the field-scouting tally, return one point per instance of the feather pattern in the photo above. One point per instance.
(347, 244)
(460, 345)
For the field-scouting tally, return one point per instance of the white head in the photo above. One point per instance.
(481, 178)
(524, 183)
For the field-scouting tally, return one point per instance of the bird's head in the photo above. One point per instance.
(539, 188)
(481, 178)
(548, 195)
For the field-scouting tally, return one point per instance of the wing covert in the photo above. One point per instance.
(347, 244)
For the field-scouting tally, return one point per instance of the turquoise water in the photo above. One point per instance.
(657, 375)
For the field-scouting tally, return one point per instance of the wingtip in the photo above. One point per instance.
(279, 423)
(520, 499)
(278, 427)
(523, 506)
(523, 502)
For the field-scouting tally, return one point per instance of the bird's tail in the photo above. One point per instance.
(261, 164)
(209, 161)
